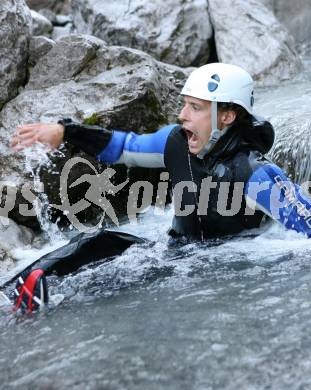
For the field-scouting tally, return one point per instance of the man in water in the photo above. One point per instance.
(219, 145)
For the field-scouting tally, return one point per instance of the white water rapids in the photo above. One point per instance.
(226, 314)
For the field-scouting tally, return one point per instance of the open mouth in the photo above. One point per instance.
(191, 136)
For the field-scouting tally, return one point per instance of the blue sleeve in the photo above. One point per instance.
(271, 191)
(146, 150)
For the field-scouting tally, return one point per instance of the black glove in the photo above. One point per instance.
(91, 139)
(31, 292)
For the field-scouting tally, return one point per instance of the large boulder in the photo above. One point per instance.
(62, 31)
(174, 31)
(116, 87)
(249, 35)
(40, 24)
(15, 31)
(54, 68)
(38, 47)
(40, 4)
(296, 16)
(59, 6)
(269, 4)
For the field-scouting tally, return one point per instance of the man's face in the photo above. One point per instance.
(196, 121)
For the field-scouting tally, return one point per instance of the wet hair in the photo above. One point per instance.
(243, 118)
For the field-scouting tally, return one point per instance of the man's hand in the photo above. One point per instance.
(51, 134)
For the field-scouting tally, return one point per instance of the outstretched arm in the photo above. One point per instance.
(272, 192)
(51, 134)
(110, 146)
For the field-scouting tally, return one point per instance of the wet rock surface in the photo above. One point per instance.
(250, 36)
(12, 236)
(40, 24)
(296, 17)
(38, 47)
(59, 6)
(15, 22)
(116, 87)
(175, 31)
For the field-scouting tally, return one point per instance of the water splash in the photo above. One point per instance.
(288, 109)
(37, 157)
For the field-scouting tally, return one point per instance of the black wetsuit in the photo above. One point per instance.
(233, 159)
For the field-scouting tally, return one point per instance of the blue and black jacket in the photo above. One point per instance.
(229, 189)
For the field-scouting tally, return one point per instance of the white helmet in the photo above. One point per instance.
(220, 82)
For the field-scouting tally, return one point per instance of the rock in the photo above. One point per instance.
(291, 149)
(56, 19)
(296, 17)
(116, 87)
(56, 67)
(287, 108)
(58, 6)
(40, 4)
(174, 31)
(62, 20)
(59, 32)
(250, 36)
(40, 24)
(13, 236)
(15, 21)
(269, 4)
(48, 14)
(38, 47)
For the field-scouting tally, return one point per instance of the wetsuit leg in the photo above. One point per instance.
(86, 248)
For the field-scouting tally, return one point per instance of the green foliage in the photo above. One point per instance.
(92, 120)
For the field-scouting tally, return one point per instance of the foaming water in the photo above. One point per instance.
(37, 157)
(220, 314)
(231, 313)
(287, 107)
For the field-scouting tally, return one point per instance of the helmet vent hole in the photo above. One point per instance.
(212, 86)
(215, 77)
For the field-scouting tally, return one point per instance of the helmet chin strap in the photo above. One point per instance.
(216, 134)
(214, 117)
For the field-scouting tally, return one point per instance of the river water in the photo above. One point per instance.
(225, 314)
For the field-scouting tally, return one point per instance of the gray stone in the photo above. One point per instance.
(12, 237)
(48, 14)
(40, 24)
(38, 47)
(173, 31)
(58, 6)
(269, 4)
(296, 16)
(250, 36)
(15, 22)
(40, 4)
(116, 87)
(57, 66)
(291, 148)
(62, 20)
(287, 108)
(59, 32)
